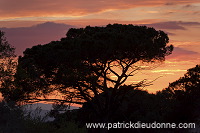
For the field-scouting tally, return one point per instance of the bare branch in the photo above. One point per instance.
(113, 71)
(33, 100)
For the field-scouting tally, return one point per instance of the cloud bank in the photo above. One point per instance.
(41, 8)
(26, 37)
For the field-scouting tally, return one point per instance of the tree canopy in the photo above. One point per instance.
(7, 63)
(188, 85)
(81, 65)
(6, 50)
(184, 96)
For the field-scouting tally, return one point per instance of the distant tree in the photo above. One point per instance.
(81, 65)
(6, 50)
(7, 63)
(183, 97)
(10, 114)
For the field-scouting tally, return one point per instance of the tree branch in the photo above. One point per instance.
(50, 100)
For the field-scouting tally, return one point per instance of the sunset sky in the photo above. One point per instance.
(25, 24)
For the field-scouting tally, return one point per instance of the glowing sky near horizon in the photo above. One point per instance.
(180, 19)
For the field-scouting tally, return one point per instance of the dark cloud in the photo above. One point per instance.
(196, 13)
(169, 33)
(167, 25)
(26, 37)
(182, 54)
(182, 51)
(173, 25)
(188, 23)
(169, 4)
(188, 5)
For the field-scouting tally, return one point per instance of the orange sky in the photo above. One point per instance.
(180, 19)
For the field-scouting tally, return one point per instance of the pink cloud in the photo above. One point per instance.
(26, 8)
(173, 25)
(26, 37)
(181, 54)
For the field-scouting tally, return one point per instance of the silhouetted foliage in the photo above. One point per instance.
(132, 104)
(7, 64)
(10, 115)
(183, 97)
(6, 50)
(14, 119)
(81, 65)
